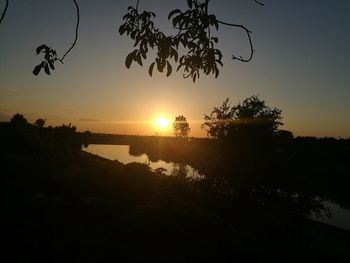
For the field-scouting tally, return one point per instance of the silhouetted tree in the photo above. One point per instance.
(40, 123)
(18, 120)
(249, 121)
(245, 153)
(181, 127)
(284, 137)
(85, 137)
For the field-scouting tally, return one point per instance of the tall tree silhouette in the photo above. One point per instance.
(181, 127)
(19, 121)
(250, 120)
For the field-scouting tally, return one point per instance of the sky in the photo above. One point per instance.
(301, 65)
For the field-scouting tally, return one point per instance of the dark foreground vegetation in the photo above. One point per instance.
(59, 203)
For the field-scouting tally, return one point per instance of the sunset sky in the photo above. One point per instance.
(301, 66)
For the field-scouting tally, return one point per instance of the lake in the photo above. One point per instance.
(340, 216)
(121, 154)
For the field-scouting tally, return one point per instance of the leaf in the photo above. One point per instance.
(150, 70)
(211, 19)
(219, 62)
(169, 69)
(47, 69)
(37, 69)
(132, 35)
(160, 66)
(47, 56)
(216, 23)
(40, 48)
(181, 25)
(175, 21)
(173, 12)
(138, 58)
(144, 54)
(184, 42)
(51, 63)
(179, 66)
(129, 59)
(122, 29)
(216, 72)
(190, 2)
(137, 40)
(175, 54)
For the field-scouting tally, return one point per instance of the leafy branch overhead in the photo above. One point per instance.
(193, 49)
(194, 38)
(50, 55)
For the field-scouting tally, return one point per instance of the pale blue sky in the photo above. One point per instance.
(301, 65)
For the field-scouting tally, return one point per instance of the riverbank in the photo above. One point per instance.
(91, 208)
(59, 202)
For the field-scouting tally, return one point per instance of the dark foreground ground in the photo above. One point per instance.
(59, 203)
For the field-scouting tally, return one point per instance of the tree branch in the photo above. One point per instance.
(249, 38)
(76, 32)
(206, 13)
(5, 9)
(256, 1)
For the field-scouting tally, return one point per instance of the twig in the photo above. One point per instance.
(76, 32)
(5, 9)
(249, 38)
(256, 1)
(178, 33)
(206, 13)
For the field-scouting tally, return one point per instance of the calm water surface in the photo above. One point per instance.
(121, 154)
(340, 216)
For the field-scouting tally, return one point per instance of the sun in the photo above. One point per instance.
(162, 122)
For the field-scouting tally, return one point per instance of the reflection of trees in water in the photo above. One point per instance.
(246, 178)
(185, 171)
(195, 175)
(134, 151)
(160, 170)
(262, 188)
(288, 176)
(180, 169)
